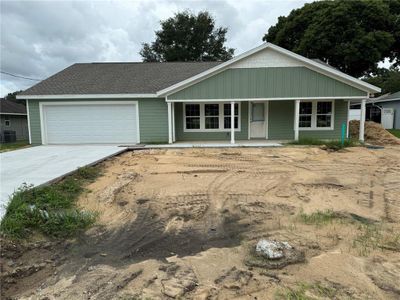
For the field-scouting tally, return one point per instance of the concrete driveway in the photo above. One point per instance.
(39, 165)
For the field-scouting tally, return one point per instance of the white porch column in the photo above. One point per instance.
(348, 119)
(296, 119)
(173, 122)
(169, 105)
(232, 122)
(362, 120)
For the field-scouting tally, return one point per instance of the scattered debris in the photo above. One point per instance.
(234, 279)
(181, 280)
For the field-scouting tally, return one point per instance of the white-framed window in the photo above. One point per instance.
(305, 114)
(316, 115)
(7, 122)
(192, 116)
(324, 114)
(209, 117)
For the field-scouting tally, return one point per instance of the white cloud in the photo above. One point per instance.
(39, 38)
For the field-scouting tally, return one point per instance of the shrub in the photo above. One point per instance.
(329, 144)
(50, 210)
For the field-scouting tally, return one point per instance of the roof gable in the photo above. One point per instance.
(264, 55)
(271, 83)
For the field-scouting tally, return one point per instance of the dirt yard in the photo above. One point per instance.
(184, 224)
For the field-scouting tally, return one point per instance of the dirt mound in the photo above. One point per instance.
(374, 133)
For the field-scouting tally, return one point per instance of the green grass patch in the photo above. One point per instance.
(50, 210)
(306, 291)
(376, 236)
(4, 147)
(328, 216)
(395, 132)
(318, 217)
(329, 144)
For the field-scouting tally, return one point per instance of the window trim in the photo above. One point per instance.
(202, 117)
(7, 120)
(314, 116)
(185, 117)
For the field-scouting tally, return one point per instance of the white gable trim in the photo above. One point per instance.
(266, 58)
(318, 67)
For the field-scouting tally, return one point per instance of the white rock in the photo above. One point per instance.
(272, 249)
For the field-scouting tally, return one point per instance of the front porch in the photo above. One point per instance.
(263, 122)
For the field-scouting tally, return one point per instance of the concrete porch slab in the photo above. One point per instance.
(212, 144)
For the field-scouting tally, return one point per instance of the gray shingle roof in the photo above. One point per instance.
(11, 107)
(117, 78)
(393, 96)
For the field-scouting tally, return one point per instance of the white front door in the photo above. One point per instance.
(258, 117)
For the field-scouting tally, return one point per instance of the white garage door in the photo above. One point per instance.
(90, 124)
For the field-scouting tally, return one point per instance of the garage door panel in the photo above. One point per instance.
(92, 123)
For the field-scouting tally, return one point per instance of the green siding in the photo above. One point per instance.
(34, 120)
(281, 122)
(18, 124)
(210, 136)
(153, 119)
(277, 82)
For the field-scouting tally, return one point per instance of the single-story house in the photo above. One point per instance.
(14, 124)
(267, 93)
(384, 109)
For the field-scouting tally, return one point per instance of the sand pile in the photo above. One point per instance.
(374, 133)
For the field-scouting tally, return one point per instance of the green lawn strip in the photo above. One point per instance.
(318, 217)
(324, 217)
(50, 210)
(329, 144)
(376, 236)
(371, 234)
(395, 132)
(306, 291)
(4, 147)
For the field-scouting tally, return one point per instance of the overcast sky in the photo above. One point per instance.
(40, 38)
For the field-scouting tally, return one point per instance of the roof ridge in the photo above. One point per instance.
(142, 62)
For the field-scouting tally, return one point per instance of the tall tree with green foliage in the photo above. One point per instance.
(13, 97)
(188, 37)
(387, 79)
(352, 36)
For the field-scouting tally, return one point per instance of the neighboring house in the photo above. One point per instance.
(267, 93)
(13, 121)
(384, 109)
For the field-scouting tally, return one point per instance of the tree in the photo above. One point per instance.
(387, 79)
(352, 36)
(188, 37)
(13, 97)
